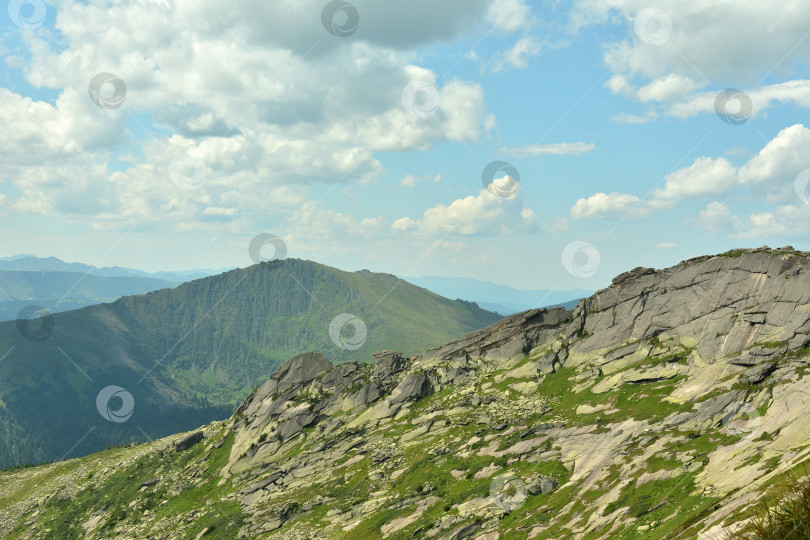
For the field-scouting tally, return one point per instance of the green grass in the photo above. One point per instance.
(111, 495)
(784, 515)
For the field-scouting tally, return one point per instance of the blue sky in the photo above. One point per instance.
(366, 150)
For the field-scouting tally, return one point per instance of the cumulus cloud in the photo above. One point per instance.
(410, 180)
(604, 205)
(484, 214)
(782, 158)
(702, 40)
(702, 50)
(290, 107)
(404, 224)
(706, 176)
(625, 118)
(510, 17)
(762, 98)
(787, 219)
(517, 56)
(558, 149)
(313, 225)
(718, 219)
(770, 175)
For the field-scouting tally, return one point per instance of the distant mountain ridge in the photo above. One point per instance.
(189, 354)
(52, 264)
(500, 298)
(56, 285)
(57, 291)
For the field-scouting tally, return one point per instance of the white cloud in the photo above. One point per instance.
(482, 215)
(509, 15)
(322, 229)
(781, 159)
(289, 107)
(702, 40)
(705, 176)
(718, 219)
(624, 118)
(787, 219)
(669, 87)
(561, 224)
(517, 57)
(784, 220)
(514, 16)
(664, 245)
(770, 175)
(404, 224)
(711, 44)
(604, 205)
(410, 180)
(762, 98)
(557, 149)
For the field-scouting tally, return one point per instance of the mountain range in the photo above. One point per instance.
(499, 298)
(172, 359)
(53, 285)
(668, 405)
(32, 263)
(56, 291)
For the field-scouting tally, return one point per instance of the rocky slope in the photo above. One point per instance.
(664, 406)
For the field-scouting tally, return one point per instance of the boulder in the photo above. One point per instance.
(413, 387)
(298, 370)
(759, 373)
(292, 374)
(548, 484)
(187, 442)
(466, 531)
(368, 394)
(387, 365)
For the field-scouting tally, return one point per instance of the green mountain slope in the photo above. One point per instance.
(188, 355)
(62, 291)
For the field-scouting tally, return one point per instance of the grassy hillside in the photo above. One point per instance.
(188, 355)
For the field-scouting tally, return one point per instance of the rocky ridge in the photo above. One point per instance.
(663, 406)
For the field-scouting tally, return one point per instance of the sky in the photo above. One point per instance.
(533, 144)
